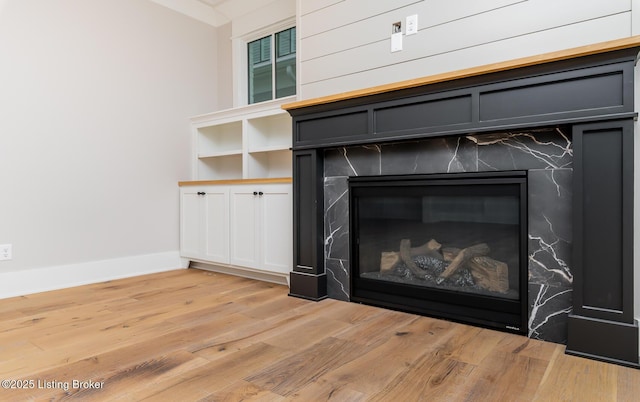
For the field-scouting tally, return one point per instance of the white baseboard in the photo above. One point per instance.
(28, 281)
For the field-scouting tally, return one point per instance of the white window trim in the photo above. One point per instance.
(240, 60)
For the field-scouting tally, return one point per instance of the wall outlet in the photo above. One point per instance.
(412, 24)
(5, 252)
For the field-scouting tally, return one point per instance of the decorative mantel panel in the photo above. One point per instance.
(496, 121)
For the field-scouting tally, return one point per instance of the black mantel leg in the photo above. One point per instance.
(602, 324)
(308, 279)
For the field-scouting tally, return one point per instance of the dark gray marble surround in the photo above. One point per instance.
(547, 155)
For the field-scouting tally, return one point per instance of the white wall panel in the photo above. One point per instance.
(378, 27)
(362, 49)
(564, 37)
(361, 33)
(344, 13)
(435, 12)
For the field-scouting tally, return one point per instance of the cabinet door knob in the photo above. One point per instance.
(201, 193)
(260, 193)
(255, 193)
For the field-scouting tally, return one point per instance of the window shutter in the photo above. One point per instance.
(284, 43)
(254, 51)
(265, 44)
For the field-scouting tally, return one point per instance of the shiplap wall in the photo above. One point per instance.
(345, 44)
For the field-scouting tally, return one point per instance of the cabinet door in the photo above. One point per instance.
(244, 245)
(190, 223)
(204, 223)
(276, 237)
(216, 224)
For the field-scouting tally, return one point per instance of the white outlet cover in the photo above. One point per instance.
(412, 24)
(5, 252)
(396, 42)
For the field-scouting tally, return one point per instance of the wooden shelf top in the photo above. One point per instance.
(596, 48)
(275, 180)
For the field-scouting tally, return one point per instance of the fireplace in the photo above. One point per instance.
(544, 156)
(558, 128)
(450, 245)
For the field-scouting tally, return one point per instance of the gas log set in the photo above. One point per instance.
(439, 266)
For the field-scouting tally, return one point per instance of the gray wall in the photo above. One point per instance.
(94, 136)
(224, 75)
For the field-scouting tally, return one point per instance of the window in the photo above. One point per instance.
(272, 71)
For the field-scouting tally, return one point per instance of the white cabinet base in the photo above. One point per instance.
(239, 227)
(265, 276)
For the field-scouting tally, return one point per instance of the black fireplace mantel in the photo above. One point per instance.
(588, 89)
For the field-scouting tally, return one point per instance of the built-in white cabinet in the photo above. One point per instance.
(243, 227)
(204, 223)
(236, 213)
(261, 227)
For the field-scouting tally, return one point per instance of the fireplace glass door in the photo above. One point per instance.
(450, 245)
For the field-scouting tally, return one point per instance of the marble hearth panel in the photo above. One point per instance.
(337, 278)
(537, 149)
(550, 229)
(336, 201)
(438, 155)
(549, 249)
(547, 155)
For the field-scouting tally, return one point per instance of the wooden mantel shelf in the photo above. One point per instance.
(275, 180)
(596, 48)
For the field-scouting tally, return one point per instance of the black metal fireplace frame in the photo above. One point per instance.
(503, 314)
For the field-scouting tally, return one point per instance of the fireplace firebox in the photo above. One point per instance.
(447, 245)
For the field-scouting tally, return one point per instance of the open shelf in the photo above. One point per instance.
(269, 164)
(220, 168)
(249, 142)
(269, 133)
(221, 153)
(223, 139)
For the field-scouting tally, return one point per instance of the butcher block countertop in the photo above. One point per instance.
(275, 180)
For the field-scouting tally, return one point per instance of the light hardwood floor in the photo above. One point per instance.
(193, 335)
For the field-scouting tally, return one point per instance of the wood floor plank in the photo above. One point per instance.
(349, 312)
(528, 347)
(193, 335)
(8, 310)
(325, 390)
(387, 361)
(379, 329)
(288, 375)
(243, 391)
(480, 344)
(628, 385)
(200, 383)
(75, 316)
(506, 376)
(276, 305)
(260, 330)
(305, 332)
(432, 378)
(574, 378)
